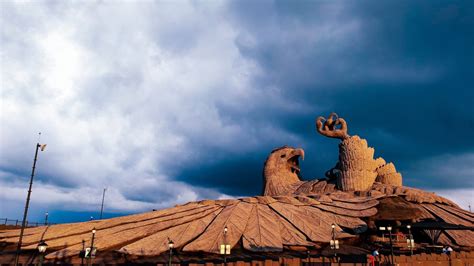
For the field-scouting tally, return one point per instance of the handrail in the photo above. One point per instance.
(17, 222)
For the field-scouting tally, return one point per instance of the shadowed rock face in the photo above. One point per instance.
(291, 212)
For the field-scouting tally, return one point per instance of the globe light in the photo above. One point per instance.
(42, 246)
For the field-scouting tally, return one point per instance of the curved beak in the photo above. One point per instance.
(297, 152)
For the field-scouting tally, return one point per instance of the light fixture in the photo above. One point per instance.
(94, 231)
(170, 244)
(225, 248)
(382, 228)
(25, 213)
(410, 240)
(333, 226)
(389, 228)
(42, 246)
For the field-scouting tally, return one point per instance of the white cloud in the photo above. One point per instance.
(463, 197)
(119, 91)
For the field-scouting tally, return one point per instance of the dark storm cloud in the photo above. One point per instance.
(400, 72)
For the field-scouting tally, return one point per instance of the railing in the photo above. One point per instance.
(16, 222)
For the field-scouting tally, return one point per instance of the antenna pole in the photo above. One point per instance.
(102, 205)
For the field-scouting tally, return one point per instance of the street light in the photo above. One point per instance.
(41, 249)
(382, 228)
(410, 240)
(225, 248)
(92, 246)
(82, 253)
(170, 246)
(334, 243)
(46, 218)
(25, 213)
(389, 228)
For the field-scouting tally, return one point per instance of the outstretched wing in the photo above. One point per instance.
(258, 223)
(402, 203)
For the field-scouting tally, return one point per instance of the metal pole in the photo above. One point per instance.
(171, 254)
(84, 251)
(102, 205)
(46, 219)
(18, 248)
(225, 246)
(40, 263)
(92, 247)
(334, 241)
(391, 245)
(411, 242)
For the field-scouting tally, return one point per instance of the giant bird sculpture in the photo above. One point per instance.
(356, 195)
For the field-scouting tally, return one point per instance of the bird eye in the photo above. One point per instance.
(283, 156)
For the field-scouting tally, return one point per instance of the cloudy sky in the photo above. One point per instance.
(165, 102)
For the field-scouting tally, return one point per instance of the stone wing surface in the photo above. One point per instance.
(255, 224)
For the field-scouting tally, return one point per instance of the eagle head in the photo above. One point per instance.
(281, 169)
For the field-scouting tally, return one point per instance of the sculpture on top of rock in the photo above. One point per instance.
(291, 215)
(356, 170)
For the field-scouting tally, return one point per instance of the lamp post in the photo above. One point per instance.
(41, 249)
(382, 228)
(25, 213)
(225, 248)
(225, 245)
(170, 246)
(92, 246)
(46, 218)
(334, 243)
(83, 252)
(389, 228)
(410, 240)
